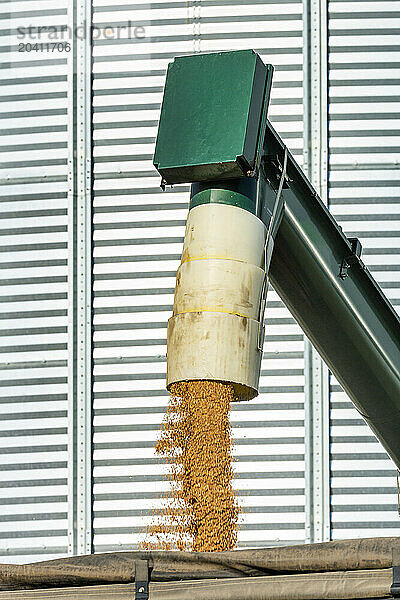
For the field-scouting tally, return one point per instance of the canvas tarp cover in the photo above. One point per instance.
(372, 584)
(344, 569)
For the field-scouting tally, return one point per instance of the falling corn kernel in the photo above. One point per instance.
(200, 512)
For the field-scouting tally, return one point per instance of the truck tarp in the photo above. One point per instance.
(371, 584)
(327, 566)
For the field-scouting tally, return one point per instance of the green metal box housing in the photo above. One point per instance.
(212, 115)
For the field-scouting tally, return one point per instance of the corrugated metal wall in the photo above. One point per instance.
(364, 197)
(138, 237)
(138, 232)
(33, 320)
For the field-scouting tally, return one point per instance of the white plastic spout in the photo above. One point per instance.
(214, 331)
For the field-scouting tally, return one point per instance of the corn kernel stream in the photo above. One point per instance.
(200, 511)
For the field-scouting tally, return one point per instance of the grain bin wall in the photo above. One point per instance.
(137, 243)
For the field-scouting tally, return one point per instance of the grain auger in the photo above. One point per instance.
(253, 218)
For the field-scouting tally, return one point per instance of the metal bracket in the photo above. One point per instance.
(395, 587)
(347, 262)
(142, 576)
(352, 259)
(274, 223)
(356, 247)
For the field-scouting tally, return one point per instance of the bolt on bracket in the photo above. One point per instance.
(352, 259)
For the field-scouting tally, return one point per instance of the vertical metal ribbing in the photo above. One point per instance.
(80, 280)
(316, 372)
(317, 446)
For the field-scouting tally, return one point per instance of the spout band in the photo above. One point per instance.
(241, 192)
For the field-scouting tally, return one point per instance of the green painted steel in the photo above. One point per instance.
(236, 192)
(341, 309)
(212, 116)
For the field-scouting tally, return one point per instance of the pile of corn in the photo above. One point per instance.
(201, 510)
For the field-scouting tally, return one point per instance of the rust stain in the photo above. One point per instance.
(245, 295)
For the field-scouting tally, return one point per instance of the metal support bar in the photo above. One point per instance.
(316, 372)
(317, 446)
(80, 282)
(142, 576)
(316, 95)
